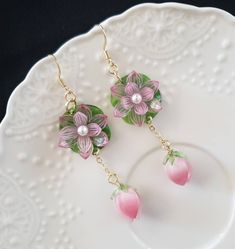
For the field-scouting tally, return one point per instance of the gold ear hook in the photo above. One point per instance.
(62, 83)
(59, 70)
(113, 67)
(105, 41)
(70, 96)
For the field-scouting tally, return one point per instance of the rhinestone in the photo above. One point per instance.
(155, 105)
(99, 141)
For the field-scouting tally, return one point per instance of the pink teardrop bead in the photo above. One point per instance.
(128, 203)
(180, 172)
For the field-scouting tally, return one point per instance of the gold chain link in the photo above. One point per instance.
(113, 67)
(166, 145)
(112, 177)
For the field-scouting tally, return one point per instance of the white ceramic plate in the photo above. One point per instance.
(52, 199)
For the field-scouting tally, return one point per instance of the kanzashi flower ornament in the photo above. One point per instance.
(84, 129)
(137, 100)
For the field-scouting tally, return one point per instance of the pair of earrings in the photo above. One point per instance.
(84, 128)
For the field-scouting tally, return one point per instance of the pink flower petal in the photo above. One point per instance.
(126, 102)
(147, 93)
(63, 144)
(68, 133)
(101, 140)
(85, 155)
(154, 84)
(128, 203)
(84, 145)
(141, 108)
(94, 129)
(134, 77)
(79, 119)
(117, 90)
(131, 88)
(137, 119)
(85, 110)
(100, 119)
(119, 111)
(180, 171)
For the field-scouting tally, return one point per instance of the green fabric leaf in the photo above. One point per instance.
(145, 78)
(74, 146)
(95, 110)
(177, 154)
(114, 101)
(66, 120)
(127, 119)
(124, 187)
(166, 159)
(115, 193)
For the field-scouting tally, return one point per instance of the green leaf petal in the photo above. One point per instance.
(114, 101)
(178, 154)
(166, 159)
(74, 146)
(124, 187)
(115, 193)
(172, 159)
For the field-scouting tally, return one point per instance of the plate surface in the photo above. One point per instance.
(52, 199)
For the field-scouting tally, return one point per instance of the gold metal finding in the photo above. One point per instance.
(166, 145)
(112, 177)
(69, 96)
(113, 67)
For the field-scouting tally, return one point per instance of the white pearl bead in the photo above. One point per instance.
(136, 98)
(82, 130)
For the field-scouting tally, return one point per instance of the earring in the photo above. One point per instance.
(137, 100)
(84, 129)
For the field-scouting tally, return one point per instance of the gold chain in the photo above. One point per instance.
(112, 177)
(69, 96)
(166, 145)
(113, 67)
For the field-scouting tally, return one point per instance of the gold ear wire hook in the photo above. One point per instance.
(59, 71)
(105, 43)
(113, 67)
(62, 83)
(70, 96)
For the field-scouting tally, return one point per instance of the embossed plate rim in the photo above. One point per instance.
(106, 22)
(93, 31)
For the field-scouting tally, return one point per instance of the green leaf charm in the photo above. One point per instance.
(171, 156)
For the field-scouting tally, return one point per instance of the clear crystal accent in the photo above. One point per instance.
(156, 105)
(99, 141)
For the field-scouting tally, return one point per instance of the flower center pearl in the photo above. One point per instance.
(82, 130)
(136, 98)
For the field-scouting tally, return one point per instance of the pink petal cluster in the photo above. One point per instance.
(136, 98)
(180, 171)
(84, 130)
(128, 203)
